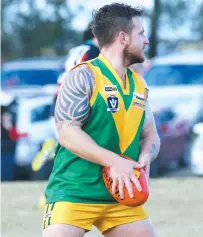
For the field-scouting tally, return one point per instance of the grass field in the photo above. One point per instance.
(175, 206)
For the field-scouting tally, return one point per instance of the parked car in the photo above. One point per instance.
(177, 81)
(172, 131)
(33, 83)
(31, 76)
(33, 121)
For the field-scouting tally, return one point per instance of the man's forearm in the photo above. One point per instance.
(150, 145)
(80, 143)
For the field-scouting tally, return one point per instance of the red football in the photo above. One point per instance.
(140, 197)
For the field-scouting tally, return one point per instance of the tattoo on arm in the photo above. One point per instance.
(150, 142)
(154, 150)
(66, 124)
(72, 106)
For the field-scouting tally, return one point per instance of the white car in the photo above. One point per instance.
(177, 81)
(35, 126)
(33, 83)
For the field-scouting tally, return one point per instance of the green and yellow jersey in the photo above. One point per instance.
(115, 123)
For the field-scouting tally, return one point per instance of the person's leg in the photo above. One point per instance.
(63, 230)
(141, 228)
(123, 221)
(66, 219)
(7, 166)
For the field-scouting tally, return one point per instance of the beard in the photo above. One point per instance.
(131, 57)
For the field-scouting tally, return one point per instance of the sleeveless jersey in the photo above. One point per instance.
(115, 123)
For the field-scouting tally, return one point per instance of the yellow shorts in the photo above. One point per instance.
(103, 216)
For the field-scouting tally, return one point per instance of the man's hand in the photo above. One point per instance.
(122, 173)
(144, 161)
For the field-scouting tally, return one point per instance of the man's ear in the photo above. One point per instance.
(123, 38)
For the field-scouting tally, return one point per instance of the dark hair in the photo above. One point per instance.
(88, 34)
(111, 19)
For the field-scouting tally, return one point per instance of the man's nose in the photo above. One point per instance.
(146, 41)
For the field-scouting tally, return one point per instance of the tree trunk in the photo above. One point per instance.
(155, 19)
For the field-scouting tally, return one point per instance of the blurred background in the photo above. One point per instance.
(37, 39)
(42, 38)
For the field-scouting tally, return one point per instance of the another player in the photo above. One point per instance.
(84, 52)
(101, 112)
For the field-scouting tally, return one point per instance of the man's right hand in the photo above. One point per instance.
(122, 173)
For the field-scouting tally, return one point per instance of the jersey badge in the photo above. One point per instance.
(112, 102)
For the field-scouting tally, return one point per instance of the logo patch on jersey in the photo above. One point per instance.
(139, 96)
(112, 104)
(111, 89)
(139, 105)
(47, 215)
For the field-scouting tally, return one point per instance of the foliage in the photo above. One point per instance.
(32, 30)
(171, 16)
(36, 31)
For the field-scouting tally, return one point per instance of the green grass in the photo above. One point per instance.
(175, 207)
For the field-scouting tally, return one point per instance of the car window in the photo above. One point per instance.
(29, 77)
(166, 75)
(40, 113)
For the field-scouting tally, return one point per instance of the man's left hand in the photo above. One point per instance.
(144, 161)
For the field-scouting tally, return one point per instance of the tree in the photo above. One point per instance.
(155, 21)
(197, 21)
(6, 46)
(170, 15)
(34, 30)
